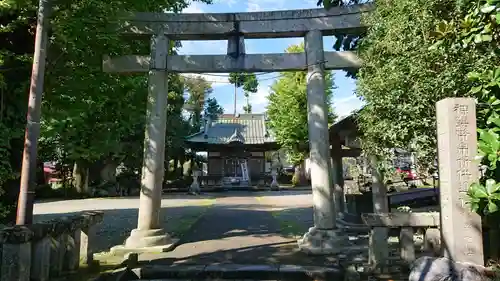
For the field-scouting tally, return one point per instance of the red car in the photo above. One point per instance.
(50, 173)
(409, 175)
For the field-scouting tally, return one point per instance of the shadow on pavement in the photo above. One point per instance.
(242, 235)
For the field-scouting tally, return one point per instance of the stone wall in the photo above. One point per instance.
(43, 251)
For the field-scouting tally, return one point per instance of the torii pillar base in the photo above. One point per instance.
(146, 241)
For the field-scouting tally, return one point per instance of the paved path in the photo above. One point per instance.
(230, 227)
(245, 228)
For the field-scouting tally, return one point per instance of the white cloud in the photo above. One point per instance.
(265, 5)
(253, 7)
(345, 106)
(229, 3)
(260, 97)
(211, 47)
(194, 8)
(259, 100)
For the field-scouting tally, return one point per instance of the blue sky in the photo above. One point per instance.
(344, 100)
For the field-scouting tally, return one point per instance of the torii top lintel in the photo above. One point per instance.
(221, 26)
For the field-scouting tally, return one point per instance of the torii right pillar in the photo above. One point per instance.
(323, 237)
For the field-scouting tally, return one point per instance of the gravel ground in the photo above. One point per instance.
(179, 213)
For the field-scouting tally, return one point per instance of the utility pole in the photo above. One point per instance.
(235, 92)
(28, 170)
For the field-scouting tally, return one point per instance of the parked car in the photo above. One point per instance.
(289, 170)
(408, 174)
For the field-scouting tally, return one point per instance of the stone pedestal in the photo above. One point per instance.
(457, 147)
(149, 237)
(146, 241)
(57, 248)
(15, 263)
(378, 250)
(87, 238)
(72, 254)
(322, 241)
(379, 190)
(323, 237)
(337, 174)
(40, 264)
(40, 249)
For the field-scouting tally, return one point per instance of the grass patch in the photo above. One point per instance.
(260, 199)
(291, 229)
(206, 202)
(182, 226)
(90, 272)
(288, 227)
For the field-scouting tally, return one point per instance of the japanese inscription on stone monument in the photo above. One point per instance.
(457, 147)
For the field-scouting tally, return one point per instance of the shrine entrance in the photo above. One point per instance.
(232, 167)
(311, 25)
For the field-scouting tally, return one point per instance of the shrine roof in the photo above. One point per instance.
(228, 128)
(347, 125)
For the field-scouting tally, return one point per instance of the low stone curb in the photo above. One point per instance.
(248, 272)
(223, 189)
(228, 272)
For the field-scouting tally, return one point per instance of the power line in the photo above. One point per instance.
(257, 74)
(227, 82)
(227, 76)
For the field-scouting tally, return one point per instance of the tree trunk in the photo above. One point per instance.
(300, 174)
(40, 173)
(182, 161)
(191, 165)
(108, 172)
(176, 163)
(81, 177)
(166, 168)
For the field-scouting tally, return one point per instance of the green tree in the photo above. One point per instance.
(418, 52)
(475, 29)
(287, 110)
(177, 126)
(248, 107)
(213, 109)
(88, 116)
(249, 83)
(348, 41)
(334, 3)
(403, 77)
(199, 90)
(16, 47)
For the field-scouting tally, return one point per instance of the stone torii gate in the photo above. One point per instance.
(312, 24)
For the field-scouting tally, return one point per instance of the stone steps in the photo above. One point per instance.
(227, 272)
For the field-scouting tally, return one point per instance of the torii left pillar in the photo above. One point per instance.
(149, 236)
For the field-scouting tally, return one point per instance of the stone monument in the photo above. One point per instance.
(195, 185)
(274, 183)
(457, 147)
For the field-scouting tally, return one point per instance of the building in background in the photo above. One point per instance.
(236, 147)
